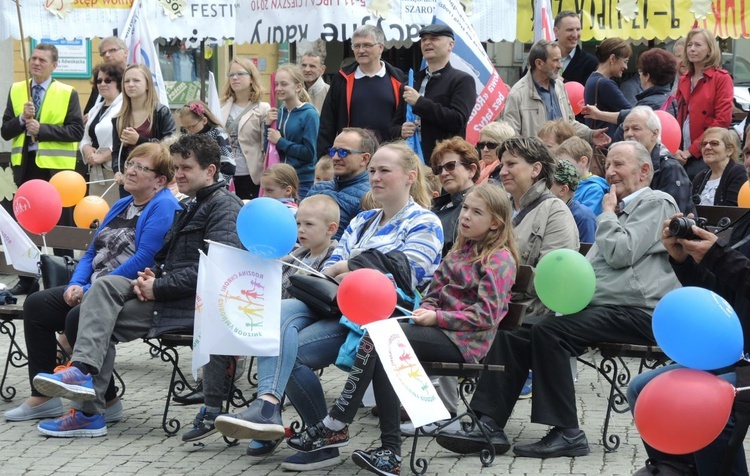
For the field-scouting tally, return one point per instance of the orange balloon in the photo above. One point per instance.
(743, 199)
(89, 209)
(70, 185)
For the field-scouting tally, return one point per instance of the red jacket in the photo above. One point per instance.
(709, 105)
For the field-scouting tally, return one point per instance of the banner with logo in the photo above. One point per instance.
(240, 303)
(20, 251)
(201, 357)
(408, 378)
(469, 56)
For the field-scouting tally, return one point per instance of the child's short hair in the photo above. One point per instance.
(328, 208)
(368, 202)
(566, 174)
(432, 180)
(559, 129)
(575, 148)
(284, 175)
(325, 164)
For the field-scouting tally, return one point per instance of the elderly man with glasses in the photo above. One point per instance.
(113, 51)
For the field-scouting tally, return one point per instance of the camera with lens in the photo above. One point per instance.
(682, 227)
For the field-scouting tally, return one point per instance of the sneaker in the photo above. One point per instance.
(318, 437)
(113, 413)
(526, 391)
(380, 461)
(302, 461)
(74, 424)
(262, 447)
(554, 445)
(52, 408)
(66, 382)
(260, 421)
(407, 428)
(473, 441)
(203, 426)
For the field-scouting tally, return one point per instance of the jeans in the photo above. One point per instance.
(302, 333)
(707, 460)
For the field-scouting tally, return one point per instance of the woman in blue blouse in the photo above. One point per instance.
(601, 90)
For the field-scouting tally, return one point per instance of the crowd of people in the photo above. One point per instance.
(452, 233)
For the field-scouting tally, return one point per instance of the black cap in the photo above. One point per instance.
(437, 30)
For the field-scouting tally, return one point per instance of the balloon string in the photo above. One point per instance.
(44, 243)
(312, 271)
(101, 181)
(108, 188)
(309, 268)
(740, 389)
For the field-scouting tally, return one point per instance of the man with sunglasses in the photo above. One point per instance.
(351, 153)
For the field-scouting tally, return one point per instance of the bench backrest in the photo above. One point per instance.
(61, 237)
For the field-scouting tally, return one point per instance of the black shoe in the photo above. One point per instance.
(467, 442)
(554, 445)
(665, 468)
(25, 286)
(192, 398)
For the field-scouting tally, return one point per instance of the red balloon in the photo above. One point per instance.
(366, 295)
(575, 94)
(683, 410)
(671, 135)
(37, 206)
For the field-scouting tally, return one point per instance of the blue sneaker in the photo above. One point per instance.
(66, 382)
(526, 391)
(74, 424)
(302, 461)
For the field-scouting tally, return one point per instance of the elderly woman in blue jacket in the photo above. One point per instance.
(126, 241)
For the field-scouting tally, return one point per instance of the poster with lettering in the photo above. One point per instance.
(239, 303)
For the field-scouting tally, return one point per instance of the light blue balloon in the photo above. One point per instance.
(698, 329)
(267, 228)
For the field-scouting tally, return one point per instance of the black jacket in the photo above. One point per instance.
(212, 216)
(732, 179)
(580, 67)
(653, 97)
(334, 115)
(670, 177)
(445, 107)
(448, 207)
(163, 126)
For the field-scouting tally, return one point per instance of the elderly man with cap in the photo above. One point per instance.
(442, 96)
(564, 185)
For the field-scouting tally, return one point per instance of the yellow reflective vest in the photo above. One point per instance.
(51, 154)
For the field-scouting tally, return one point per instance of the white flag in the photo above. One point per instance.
(141, 49)
(543, 21)
(213, 96)
(20, 251)
(200, 358)
(241, 310)
(408, 378)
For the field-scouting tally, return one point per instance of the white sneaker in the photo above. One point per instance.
(407, 428)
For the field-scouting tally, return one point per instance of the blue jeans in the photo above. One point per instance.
(302, 334)
(707, 460)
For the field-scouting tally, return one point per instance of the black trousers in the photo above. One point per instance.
(546, 347)
(245, 188)
(429, 344)
(44, 314)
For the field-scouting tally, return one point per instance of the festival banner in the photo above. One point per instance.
(408, 378)
(240, 303)
(202, 291)
(20, 251)
(469, 56)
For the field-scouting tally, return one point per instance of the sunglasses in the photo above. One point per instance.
(712, 143)
(105, 81)
(342, 153)
(448, 166)
(489, 145)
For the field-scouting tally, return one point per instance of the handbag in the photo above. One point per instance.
(56, 270)
(318, 293)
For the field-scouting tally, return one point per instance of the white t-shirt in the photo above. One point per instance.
(709, 192)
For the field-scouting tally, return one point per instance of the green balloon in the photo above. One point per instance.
(565, 281)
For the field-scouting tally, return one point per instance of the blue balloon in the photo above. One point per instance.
(698, 329)
(267, 228)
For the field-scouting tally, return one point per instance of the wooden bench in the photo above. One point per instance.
(468, 373)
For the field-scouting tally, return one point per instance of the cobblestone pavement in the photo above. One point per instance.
(138, 445)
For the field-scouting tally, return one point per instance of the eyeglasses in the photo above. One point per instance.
(712, 143)
(342, 152)
(105, 81)
(364, 46)
(110, 51)
(448, 166)
(237, 74)
(489, 145)
(138, 167)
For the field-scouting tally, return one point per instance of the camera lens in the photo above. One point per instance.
(681, 227)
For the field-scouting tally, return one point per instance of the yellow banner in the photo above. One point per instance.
(650, 19)
(99, 3)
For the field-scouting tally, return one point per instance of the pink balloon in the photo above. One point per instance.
(671, 135)
(37, 206)
(575, 94)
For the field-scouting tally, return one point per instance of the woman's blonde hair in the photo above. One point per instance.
(125, 116)
(713, 60)
(498, 131)
(729, 138)
(284, 175)
(256, 89)
(296, 76)
(410, 161)
(499, 208)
